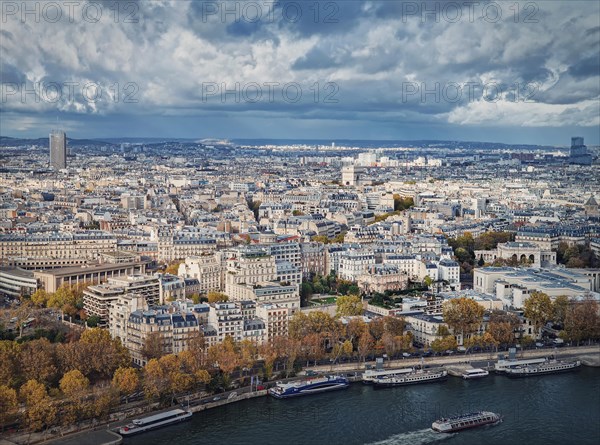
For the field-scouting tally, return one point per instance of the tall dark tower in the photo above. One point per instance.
(578, 153)
(58, 149)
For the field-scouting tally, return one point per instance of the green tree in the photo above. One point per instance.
(93, 321)
(348, 305)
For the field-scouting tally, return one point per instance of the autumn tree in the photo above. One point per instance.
(40, 298)
(8, 404)
(444, 344)
(9, 362)
(153, 346)
(155, 380)
(343, 349)
(582, 321)
(173, 267)
(22, 312)
(194, 365)
(74, 386)
(366, 344)
(177, 380)
(560, 306)
(484, 340)
(248, 353)
(67, 298)
(38, 361)
(348, 305)
(394, 325)
(463, 315)
(502, 326)
(217, 297)
(126, 381)
(538, 308)
(107, 354)
(268, 355)
(312, 347)
(377, 328)
(225, 355)
(39, 409)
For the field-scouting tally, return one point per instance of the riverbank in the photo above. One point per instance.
(456, 364)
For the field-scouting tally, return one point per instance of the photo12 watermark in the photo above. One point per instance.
(269, 11)
(70, 11)
(60, 92)
(455, 92)
(269, 92)
(470, 12)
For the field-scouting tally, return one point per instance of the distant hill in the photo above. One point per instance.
(6, 141)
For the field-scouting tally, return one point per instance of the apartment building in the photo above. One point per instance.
(382, 277)
(52, 279)
(355, 263)
(97, 299)
(276, 319)
(227, 319)
(207, 269)
(175, 330)
(87, 245)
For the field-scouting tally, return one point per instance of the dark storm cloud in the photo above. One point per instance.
(375, 53)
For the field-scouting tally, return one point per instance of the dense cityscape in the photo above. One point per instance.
(202, 266)
(208, 208)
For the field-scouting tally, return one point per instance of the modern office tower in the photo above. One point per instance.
(578, 153)
(58, 149)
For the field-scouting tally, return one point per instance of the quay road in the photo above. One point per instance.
(589, 354)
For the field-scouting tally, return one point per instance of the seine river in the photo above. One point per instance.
(558, 409)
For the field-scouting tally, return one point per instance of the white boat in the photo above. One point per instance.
(475, 373)
(311, 386)
(503, 365)
(411, 378)
(370, 375)
(549, 367)
(466, 421)
(156, 421)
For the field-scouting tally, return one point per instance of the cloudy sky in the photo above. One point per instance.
(525, 72)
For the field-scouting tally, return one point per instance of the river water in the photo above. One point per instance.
(558, 409)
